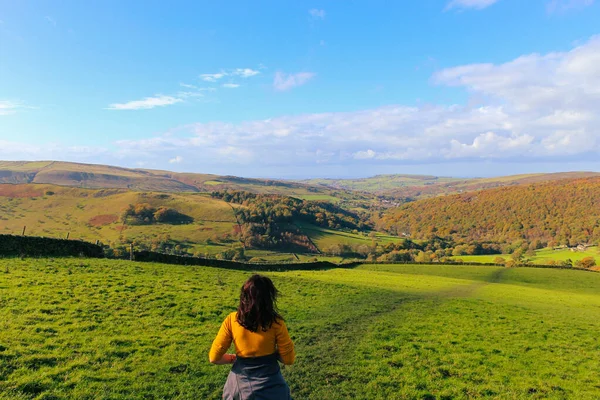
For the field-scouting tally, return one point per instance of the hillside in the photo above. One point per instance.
(379, 191)
(558, 212)
(186, 223)
(414, 187)
(88, 214)
(91, 176)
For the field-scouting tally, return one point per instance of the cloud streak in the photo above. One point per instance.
(474, 4)
(9, 107)
(561, 6)
(192, 91)
(283, 81)
(146, 103)
(238, 72)
(316, 13)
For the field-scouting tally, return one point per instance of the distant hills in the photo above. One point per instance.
(92, 176)
(87, 201)
(413, 187)
(401, 187)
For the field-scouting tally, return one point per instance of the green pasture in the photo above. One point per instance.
(325, 197)
(105, 329)
(324, 238)
(542, 256)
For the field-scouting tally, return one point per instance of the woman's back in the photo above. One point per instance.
(276, 339)
(261, 339)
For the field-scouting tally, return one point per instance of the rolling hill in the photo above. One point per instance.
(188, 223)
(556, 212)
(95, 214)
(414, 187)
(91, 176)
(380, 190)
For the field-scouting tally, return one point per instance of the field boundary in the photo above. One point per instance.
(354, 264)
(149, 256)
(35, 246)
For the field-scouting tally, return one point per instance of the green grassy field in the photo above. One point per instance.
(324, 238)
(542, 256)
(101, 329)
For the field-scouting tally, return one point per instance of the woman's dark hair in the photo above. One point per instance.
(258, 304)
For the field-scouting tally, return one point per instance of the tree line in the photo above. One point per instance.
(269, 221)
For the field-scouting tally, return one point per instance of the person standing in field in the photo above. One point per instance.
(261, 340)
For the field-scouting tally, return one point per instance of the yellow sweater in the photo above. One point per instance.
(252, 344)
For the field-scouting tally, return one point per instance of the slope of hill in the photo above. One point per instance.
(413, 187)
(192, 223)
(558, 212)
(383, 183)
(55, 211)
(92, 176)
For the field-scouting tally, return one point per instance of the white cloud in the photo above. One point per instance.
(9, 107)
(176, 160)
(212, 77)
(536, 108)
(239, 72)
(245, 72)
(285, 81)
(11, 150)
(476, 4)
(560, 6)
(230, 85)
(147, 103)
(187, 86)
(364, 155)
(316, 13)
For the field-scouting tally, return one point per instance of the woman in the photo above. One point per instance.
(261, 338)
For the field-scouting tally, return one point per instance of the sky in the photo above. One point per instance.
(300, 89)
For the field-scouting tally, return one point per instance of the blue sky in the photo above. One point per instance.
(304, 89)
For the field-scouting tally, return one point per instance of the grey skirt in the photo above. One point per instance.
(256, 378)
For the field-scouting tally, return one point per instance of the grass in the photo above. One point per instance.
(382, 182)
(324, 238)
(542, 256)
(95, 214)
(319, 197)
(92, 214)
(101, 329)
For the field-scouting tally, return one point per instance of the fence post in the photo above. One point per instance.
(68, 233)
(23, 233)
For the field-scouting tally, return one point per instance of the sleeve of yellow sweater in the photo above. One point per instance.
(222, 342)
(285, 346)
